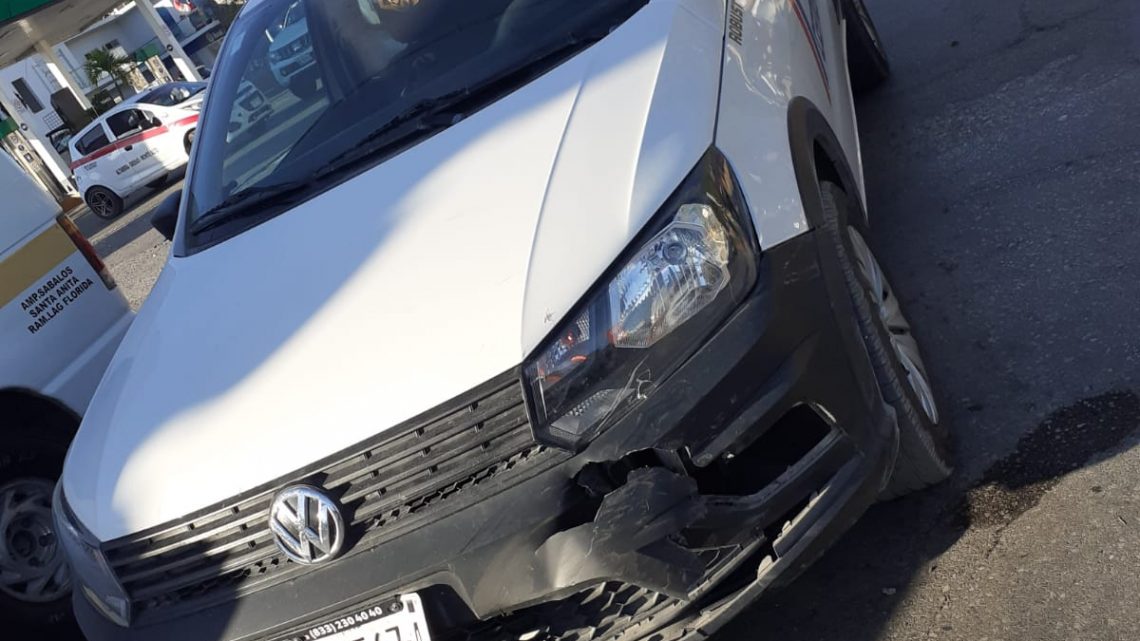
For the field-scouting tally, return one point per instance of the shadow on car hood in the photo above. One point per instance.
(401, 288)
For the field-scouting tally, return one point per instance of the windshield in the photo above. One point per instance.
(310, 91)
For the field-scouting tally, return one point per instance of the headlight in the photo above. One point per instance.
(688, 271)
(91, 575)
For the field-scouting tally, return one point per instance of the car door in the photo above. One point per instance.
(137, 159)
(91, 163)
(167, 142)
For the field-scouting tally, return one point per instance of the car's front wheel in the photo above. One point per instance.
(104, 203)
(924, 457)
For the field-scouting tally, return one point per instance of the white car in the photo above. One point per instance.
(134, 145)
(186, 95)
(61, 319)
(291, 52)
(559, 324)
(251, 112)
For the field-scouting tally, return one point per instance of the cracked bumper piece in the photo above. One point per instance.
(736, 473)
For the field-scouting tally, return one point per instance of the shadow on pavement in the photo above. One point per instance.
(138, 207)
(110, 243)
(1063, 443)
(857, 586)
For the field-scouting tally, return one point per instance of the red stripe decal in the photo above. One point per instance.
(93, 156)
(188, 120)
(137, 138)
(811, 41)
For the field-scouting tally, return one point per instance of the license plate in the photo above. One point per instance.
(400, 619)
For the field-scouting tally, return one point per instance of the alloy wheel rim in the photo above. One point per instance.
(32, 565)
(101, 204)
(890, 313)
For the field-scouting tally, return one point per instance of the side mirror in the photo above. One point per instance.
(165, 216)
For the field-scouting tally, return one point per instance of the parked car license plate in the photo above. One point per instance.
(400, 619)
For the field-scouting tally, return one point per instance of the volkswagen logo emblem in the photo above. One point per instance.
(307, 525)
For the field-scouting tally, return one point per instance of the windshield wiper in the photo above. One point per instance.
(369, 147)
(249, 203)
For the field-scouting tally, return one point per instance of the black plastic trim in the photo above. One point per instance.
(807, 127)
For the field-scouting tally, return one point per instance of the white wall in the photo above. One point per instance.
(130, 29)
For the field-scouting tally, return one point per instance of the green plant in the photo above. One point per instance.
(101, 62)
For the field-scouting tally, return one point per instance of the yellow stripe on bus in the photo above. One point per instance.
(30, 264)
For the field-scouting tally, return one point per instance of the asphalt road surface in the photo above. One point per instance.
(133, 251)
(1003, 168)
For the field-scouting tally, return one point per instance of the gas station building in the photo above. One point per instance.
(44, 89)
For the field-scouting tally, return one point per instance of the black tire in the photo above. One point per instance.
(104, 203)
(866, 57)
(29, 459)
(924, 457)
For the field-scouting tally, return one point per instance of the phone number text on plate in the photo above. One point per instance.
(345, 623)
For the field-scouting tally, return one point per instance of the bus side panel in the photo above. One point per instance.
(53, 308)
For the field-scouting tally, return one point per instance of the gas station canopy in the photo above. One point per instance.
(23, 23)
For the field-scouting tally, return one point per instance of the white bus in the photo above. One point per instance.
(61, 320)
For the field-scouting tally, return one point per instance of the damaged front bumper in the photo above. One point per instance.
(735, 474)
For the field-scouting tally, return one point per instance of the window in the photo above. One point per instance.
(92, 141)
(27, 96)
(126, 123)
(149, 119)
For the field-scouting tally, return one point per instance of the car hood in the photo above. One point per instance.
(401, 288)
(287, 35)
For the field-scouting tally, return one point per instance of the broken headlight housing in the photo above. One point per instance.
(685, 274)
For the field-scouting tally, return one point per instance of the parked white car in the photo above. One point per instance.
(251, 112)
(61, 319)
(132, 146)
(561, 323)
(186, 95)
(291, 52)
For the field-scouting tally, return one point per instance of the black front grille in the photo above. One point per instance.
(405, 477)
